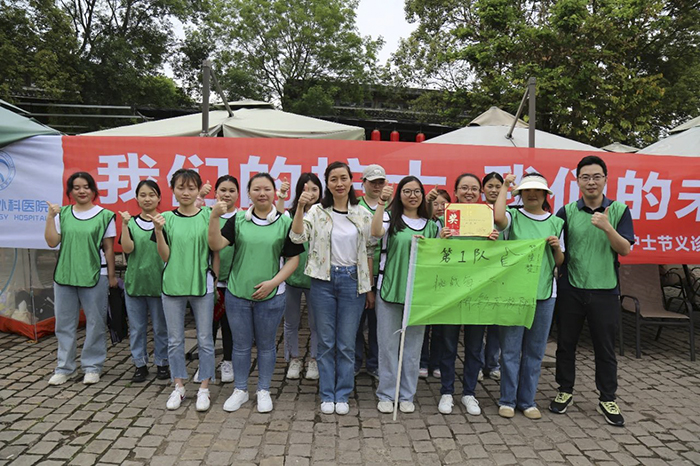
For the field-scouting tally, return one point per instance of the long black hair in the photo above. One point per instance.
(92, 186)
(327, 200)
(303, 179)
(396, 223)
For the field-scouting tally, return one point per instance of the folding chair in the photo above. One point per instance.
(641, 294)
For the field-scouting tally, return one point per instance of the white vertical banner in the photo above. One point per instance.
(31, 173)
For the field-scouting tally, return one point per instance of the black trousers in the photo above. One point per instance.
(574, 306)
(226, 337)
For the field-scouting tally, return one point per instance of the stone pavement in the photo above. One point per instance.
(117, 422)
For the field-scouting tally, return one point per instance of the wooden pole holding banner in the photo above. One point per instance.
(398, 373)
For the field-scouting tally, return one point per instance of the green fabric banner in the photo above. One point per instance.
(455, 281)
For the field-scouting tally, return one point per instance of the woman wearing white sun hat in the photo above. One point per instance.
(522, 349)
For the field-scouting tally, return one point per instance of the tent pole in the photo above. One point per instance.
(220, 92)
(206, 73)
(517, 115)
(532, 92)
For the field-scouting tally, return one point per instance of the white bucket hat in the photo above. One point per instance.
(532, 182)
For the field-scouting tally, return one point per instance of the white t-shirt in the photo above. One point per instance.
(539, 218)
(110, 232)
(343, 241)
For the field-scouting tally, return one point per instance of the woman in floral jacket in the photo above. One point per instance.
(339, 264)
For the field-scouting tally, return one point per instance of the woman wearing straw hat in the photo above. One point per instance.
(522, 349)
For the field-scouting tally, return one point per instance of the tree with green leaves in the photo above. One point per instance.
(259, 46)
(91, 51)
(607, 70)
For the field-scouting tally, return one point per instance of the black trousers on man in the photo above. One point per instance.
(602, 310)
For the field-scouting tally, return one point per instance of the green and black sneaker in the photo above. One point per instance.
(561, 402)
(611, 412)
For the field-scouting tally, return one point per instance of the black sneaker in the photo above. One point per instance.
(163, 373)
(561, 402)
(140, 374)
(611, 413)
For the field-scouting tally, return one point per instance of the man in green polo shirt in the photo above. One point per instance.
(596, 231)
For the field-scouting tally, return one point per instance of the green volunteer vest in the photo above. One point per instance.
(185, 273)
(523, 227)
(79, 262)
(398, 253)
(257, 256)
(225, 256)
(592, 263)
(299, 279)
(378, 251)
(144, 268)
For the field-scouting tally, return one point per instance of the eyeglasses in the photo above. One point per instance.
(408, 192)
(596, 178)
(470, 189)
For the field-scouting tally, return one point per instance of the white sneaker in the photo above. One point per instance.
(264, 401)
(311, 370)
(203, 402)
(407, 407)
(226, 368)
(471, 404)
(495, 375)
(342, 408)
(480, 377)
(385, 407)
(327, 407)
(235, 400)
(446, 404)
(91, 378)
(437, 374)
(60, 379)
(176, 398)
(295, 367)
(423, 373)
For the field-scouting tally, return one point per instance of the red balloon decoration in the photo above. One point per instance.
(394, 136)
(420, 137)
(376, 135)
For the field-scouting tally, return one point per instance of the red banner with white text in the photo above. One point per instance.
(662, 192)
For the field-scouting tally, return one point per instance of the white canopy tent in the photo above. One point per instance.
(491, 127)
(620, 148)
(250, 119)
(683, 141)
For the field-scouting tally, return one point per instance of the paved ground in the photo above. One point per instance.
(123, 423)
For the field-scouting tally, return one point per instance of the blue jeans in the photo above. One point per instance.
(337, 308)
(174, 308)
(389, 319)
(254, 321)
(137, 308)
(370, 317)
(491, 351)
(68, 301)
(522, 351)
(473, 343)
(292, 321)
